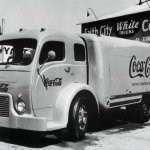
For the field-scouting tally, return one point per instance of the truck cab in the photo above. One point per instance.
(38, 70)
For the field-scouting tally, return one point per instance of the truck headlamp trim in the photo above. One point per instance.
(21, 107)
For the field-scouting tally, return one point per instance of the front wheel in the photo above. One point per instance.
(78, 118)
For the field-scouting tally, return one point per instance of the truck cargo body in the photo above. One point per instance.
(118, 70)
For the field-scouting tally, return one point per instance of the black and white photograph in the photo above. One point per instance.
(74, 74)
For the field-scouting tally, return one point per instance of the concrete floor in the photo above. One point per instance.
(121, 135)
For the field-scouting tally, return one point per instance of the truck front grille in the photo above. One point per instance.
(4, 106)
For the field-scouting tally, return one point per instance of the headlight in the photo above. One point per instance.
(21, 107)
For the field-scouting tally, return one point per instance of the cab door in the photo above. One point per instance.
(52, 76)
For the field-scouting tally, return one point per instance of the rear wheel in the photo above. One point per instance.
(78, 118)
(140, 113)
(144, 111)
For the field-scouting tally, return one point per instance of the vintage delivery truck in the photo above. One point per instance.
(53, 80)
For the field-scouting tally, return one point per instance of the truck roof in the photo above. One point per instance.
(115, 41)
(36, 34)
(44, 33)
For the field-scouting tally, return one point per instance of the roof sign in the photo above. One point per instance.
(132, 26)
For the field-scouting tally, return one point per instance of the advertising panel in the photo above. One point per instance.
(132, 26)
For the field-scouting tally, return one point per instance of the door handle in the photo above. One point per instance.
(67, 69)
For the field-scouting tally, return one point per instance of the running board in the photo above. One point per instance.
(125, 101)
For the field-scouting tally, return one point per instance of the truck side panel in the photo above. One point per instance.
(119, 70)
(129, 65)
(96, 69)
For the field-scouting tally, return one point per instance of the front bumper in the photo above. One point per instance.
(26, 121)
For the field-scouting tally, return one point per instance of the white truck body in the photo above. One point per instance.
(39, 95)
(119, 70)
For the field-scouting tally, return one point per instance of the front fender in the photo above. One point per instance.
(64, 101)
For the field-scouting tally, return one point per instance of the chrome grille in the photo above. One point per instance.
(4, 106)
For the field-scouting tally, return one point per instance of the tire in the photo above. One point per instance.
(140, 113)
(78, 118)
(144, 111)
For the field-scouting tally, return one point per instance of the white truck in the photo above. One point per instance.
(53, 80)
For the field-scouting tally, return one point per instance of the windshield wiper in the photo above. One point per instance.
(8, 64)
(16, 63)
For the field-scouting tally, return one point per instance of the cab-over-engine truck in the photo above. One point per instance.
(53, 80)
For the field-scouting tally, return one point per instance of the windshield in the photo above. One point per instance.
(17, 51)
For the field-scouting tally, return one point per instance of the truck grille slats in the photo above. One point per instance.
(4, 106)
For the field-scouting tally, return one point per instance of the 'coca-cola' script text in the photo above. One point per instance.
(138, 68)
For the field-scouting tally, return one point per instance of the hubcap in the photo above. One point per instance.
(82, 120)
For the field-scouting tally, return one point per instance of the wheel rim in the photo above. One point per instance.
(82, 118)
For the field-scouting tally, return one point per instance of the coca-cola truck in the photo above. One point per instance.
(52, 80)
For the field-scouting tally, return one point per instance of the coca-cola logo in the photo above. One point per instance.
(139, 68)
(47, 82)
(54, 82)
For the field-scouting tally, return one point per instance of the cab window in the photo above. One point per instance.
(17, 51)
(79, 52)
(57, 47)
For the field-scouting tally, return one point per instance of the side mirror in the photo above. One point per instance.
(51, 55)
